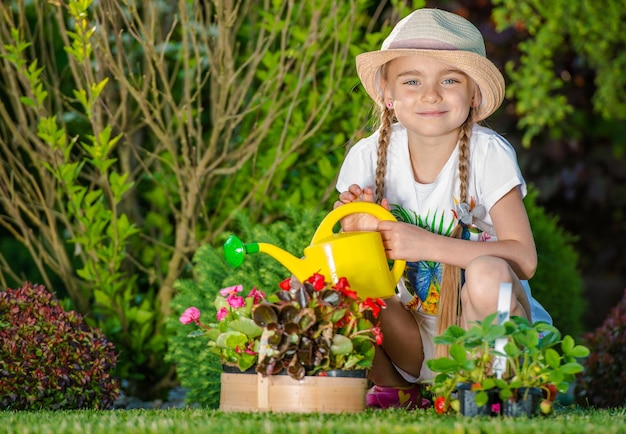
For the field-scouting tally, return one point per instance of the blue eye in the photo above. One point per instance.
(411, 82)
(450, 81)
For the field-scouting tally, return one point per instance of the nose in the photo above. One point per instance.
(430, 93)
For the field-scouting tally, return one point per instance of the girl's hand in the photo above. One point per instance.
(360, 221)
(405, 241)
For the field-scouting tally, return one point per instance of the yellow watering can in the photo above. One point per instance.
(357, 256)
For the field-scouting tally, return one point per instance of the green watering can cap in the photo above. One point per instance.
(235, 250)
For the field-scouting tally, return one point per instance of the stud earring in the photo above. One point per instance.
(389, 105)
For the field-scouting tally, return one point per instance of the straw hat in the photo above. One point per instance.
(444, 36)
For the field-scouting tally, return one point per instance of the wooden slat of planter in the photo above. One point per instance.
(281, 393)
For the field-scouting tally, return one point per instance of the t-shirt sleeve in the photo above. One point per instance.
(358, 167)
(499, 170)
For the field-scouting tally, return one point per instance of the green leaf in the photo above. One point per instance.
(568, 344)
(511, 349)
(481, 398)
(247, 326)
(505, 393)
(553, 359)
(341, 345)
(571, 368)
(231, 340)
(442, 364)
(488, 383)
(457, 352)
(27, 101)
(579, 351)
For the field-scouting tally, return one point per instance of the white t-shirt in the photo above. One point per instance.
(494, 171)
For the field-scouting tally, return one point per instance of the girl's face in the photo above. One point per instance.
(430, 98)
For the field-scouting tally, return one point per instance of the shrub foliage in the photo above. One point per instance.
(131, 137)
(603, 383)
(557, 283)
(50, 358)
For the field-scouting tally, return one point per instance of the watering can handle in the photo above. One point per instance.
(325, 229)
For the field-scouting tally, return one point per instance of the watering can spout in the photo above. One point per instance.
(235, 251)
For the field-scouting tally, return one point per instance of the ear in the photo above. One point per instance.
(386, 94)
(477, 98)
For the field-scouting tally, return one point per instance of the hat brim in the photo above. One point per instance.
(488, 78)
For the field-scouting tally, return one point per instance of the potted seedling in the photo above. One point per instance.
(312, 335)
(538, 362)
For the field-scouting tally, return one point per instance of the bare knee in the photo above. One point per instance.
(483, 277)
(489, 270)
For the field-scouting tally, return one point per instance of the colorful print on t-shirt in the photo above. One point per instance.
(423, 278)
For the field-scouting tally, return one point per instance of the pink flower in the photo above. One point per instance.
(221, 314)
(256, 295)
(191, 314)
(250, 349)
(231, 290)
(235, 301)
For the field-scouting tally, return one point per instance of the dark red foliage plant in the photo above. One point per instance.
(51, 358)
(602, 384)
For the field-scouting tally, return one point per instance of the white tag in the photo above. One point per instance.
(504, 313)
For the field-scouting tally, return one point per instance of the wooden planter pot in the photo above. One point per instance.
(281, 393)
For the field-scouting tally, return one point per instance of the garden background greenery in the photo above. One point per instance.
(133, 133)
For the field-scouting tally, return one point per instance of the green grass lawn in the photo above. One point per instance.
(388, 421)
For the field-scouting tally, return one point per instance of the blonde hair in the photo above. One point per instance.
(449, 309)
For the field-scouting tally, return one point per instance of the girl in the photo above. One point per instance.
(449, 182)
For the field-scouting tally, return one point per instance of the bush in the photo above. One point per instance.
(197, 368)
(557, 284)
(603, 382)
(50, 358)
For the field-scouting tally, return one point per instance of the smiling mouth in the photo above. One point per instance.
(432, 113)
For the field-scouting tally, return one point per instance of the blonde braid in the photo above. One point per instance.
(384, 136)
(449, 295)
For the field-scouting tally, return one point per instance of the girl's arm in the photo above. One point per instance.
(515, 240)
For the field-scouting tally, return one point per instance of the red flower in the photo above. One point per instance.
(342, 321)
(349, 293)
(342, 284)
(378, 335)
(344, 288)
(285, 284)
(375, 305)
(441, 405)
(318, 281)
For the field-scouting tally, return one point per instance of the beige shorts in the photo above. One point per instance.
(427, 325)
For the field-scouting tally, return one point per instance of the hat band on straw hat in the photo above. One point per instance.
(421, 44)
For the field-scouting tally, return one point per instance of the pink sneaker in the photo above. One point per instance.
(408, 398)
